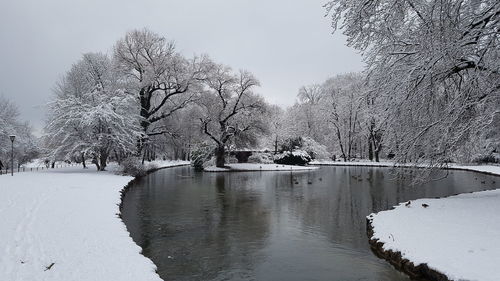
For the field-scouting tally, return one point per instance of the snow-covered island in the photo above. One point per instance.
(247, 167)
(63, 224)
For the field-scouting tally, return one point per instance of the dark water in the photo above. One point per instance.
(272, 225)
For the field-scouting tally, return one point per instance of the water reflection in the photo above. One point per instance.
(271, 225)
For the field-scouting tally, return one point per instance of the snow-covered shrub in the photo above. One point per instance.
(315, 149)
(261, 158)
(200, 155)
(301, 145)
(133, 166)
(297, 157)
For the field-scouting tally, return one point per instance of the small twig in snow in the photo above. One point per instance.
(50, 266)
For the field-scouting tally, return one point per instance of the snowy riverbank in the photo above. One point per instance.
(457, 236)
(62, 224)
(485, 169)
(352, 163)
(247, 167)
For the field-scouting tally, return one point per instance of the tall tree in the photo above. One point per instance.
(232, 110)
(278, 126)
(343, 108)
(161, 79)
(309, 99)
(91, 116)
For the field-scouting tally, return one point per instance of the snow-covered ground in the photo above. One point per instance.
(240, 167)
(487, 169)
(62, 224)
(382, 163)
(38, 163)
(165, 163)
(458, 236)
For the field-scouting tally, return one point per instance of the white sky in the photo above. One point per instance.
(285, 43)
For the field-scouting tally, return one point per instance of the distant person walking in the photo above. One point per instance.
(1, 167)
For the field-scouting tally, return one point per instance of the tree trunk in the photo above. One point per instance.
(219, 155)
(96, 162)
(118, 159)
(377, 151)
(370, 149)
(339, 137)
(102, 162)
(53, 164)
(377, 144)
(276, 145)
(83, 160)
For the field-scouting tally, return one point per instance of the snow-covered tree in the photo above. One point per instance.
(25, 145)
(8, 122)
(161, 79)
(310, 98)
(232, 112)
(91, 115)
(436, 63)
(343, 110)
(278, 127)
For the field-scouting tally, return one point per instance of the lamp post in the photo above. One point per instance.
(12, 138)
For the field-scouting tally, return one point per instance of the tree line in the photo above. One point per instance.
(432, 74)
(430, 92)
(128, 103)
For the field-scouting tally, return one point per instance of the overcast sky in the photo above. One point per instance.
(285, 43)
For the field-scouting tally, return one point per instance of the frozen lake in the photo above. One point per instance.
(272, 225)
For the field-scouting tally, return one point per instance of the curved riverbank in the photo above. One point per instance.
(451, 238)
(148, 172)
(395, 258)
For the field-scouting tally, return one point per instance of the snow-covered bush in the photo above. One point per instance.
(315, 149)
(261, 158)
(301, 150)
(200, 155)
(133, 166)
(297, 157)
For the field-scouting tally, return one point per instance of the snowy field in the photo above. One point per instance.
(458, 236)
(242, 167)
(62, 224)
